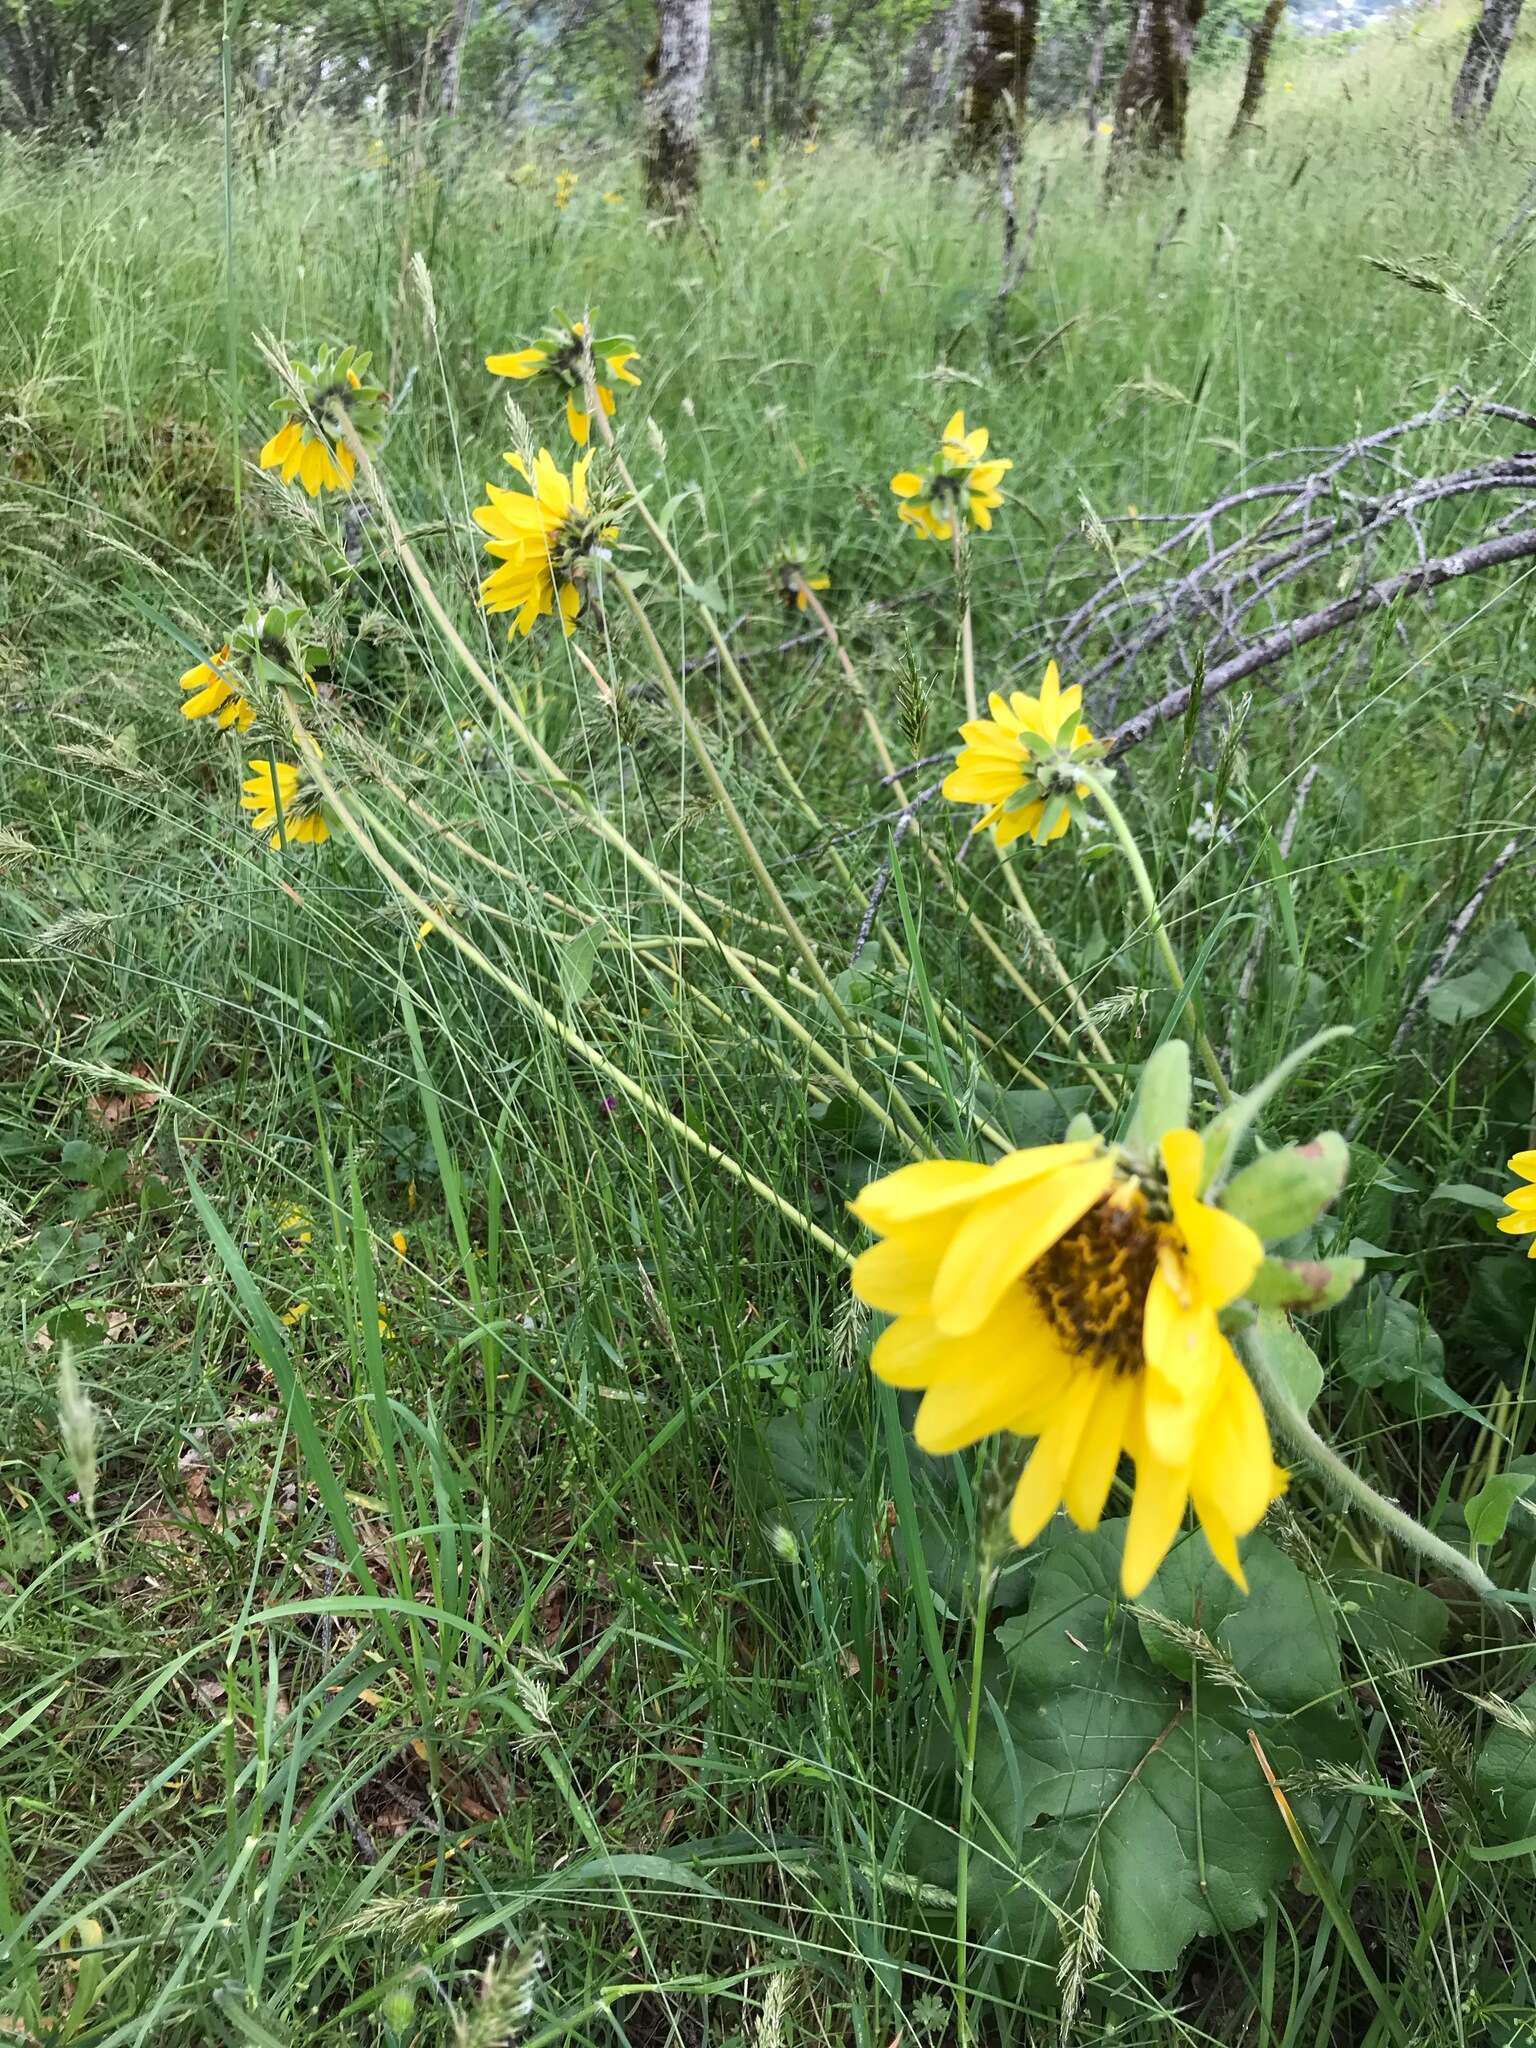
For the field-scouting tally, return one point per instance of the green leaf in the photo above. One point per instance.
(1506, 1773)
(1384, 1341)
(1162, 1099)
(1489, 1509)
(1289, 1356)
(1304, 1283)
(576, 960)
(1499, 985)
(1388, 1623)
(1098, 1762)
(1469, 1196)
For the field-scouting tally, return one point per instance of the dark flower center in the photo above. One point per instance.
(1092, 1283)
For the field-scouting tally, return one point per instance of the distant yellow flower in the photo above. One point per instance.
(962, 485)
(810, 148)
(287, 796)
(546, 540)
(759, 184)
(1072, 1295)
(754, 142)
(400, 1242)
(1289, 87)
(1020, 762)
(1521, 1221)
(792, 579)
(563, 356)
(298, 1227)
(1106, 127)
(295, 1315)
(565, 187)
(613, 199)
(306, 446)
(216, 693)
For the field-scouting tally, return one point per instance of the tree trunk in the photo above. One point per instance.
(1478, 79)
(1153, 98)
(673, 103)
(453, 68)
(1259, 48)
(1002, 50)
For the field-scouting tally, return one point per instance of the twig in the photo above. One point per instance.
(1453, 938)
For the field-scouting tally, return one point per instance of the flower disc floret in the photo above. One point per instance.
(961, 487)
(1069, 1294)
(547, 540)
(1024, 763)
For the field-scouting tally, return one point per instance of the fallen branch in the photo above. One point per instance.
(1453, 938)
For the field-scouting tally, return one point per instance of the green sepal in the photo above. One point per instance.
(1284, 1191)
(1304, 1283)
(1225, 1133)
(1162, 1100)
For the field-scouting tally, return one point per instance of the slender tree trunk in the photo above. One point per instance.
(1002, 50)
(1478, 79)
(673, 104)
(453, 67)
(1259, 46)
(1153, 97)
(1096, 77)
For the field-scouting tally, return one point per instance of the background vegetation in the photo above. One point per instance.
(594, 1625)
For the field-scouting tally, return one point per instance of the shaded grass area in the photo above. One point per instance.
(557, 1581)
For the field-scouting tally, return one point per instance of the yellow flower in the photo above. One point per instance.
(286, 796)
(398, 1239)
(792, 579)
(810, 148)
(545, 540)
(613, 199)
(759, 184)
(1065, 1294)
(216, 693)
(754, 142)
(1521, 1221)
(565, 186)
(1289, 86)
(962, 486)
(563, 355)
(295, 1315)
(1019, 762)
(1106, 127)
(297, 1227)
(301, 450)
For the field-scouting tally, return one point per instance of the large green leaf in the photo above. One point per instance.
(1506, 1773)
(1498, 985)
(1115, 1753)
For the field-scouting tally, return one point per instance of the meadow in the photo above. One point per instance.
(459, 1579)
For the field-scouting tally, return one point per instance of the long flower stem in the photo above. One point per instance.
(967, 638)
(1148, 894)
(1041, 939)
(770, 888)
(352, 822)
(1357, 1492)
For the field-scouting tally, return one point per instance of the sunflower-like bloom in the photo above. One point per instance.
(1021, 762)
(961, 487)
(284, 795)
(215, 693)
(302, 450)
(545, 542)
(1065, 1294)
(791, 577)
(1521, 1221)
(562, 356)
(565, 188)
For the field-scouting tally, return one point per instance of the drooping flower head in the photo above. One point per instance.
(961, 486)
(1521, 1220)
(285, 804)
(309, 446)
(548, 540)
(216, 691)
(1023, 763)
(1085, 1295)
(791, 578)
(564, 355)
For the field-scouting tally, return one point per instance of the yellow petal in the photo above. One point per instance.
(1223, 1254)
(897, 1274)
(579, 422)
(1157, 1509)
(1097, 1456)
(1001, 1239)
(1038, 1493)
(1185, 1352)
(906, 483)
(523, 362)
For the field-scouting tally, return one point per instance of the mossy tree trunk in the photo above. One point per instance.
(674, 104)
(1259, 47)
(1002, 49)
(1488, 46)
(1153, 98)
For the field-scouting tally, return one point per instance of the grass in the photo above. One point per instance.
(597, 1626)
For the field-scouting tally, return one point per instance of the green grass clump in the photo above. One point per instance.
(533, 1623)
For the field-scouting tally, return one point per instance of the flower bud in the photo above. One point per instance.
(1285, 1191)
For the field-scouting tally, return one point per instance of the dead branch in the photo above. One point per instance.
(1453, 938)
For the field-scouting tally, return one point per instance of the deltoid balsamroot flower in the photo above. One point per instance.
(216, 691)
(285, 804)
(962, 486)
(1521, 1220)
(562, 356)
(1074, 1293)
(546, 539)
(308, 445)
(792, 579)
(1023, 763)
